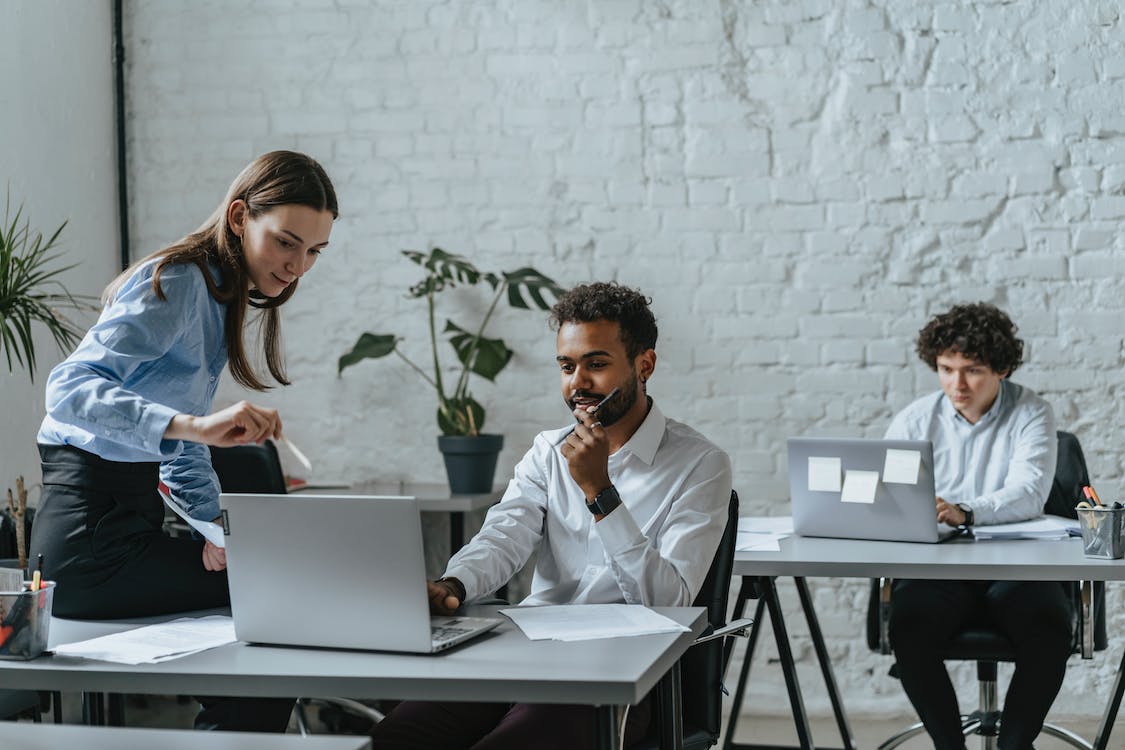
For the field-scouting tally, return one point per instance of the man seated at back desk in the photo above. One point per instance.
(623, 506)
(994, 461)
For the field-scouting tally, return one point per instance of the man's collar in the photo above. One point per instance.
(646, 440)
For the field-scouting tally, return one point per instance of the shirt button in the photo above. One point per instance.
(212, 378)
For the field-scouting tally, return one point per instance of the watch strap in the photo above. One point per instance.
(604, 502)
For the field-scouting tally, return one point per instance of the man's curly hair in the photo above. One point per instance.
(979, 331)
(610, 301)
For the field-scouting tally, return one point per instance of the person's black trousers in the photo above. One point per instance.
(1036, 616)
(98, 527)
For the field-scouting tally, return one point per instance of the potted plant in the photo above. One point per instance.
(470, 455)
(30, 292)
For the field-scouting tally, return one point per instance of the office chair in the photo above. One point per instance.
(702, 667)
(985, 645)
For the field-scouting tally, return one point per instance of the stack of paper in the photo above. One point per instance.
(583, 622)
(762, 533)
(152, 644)
(1044, 527)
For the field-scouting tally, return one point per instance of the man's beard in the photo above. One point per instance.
(614, 409)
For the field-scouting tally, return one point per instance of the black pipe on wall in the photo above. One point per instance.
(119, 100)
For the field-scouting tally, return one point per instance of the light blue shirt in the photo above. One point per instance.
(145, 361)
(1002, 467)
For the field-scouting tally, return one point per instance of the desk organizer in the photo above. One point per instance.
(25, 617)
(1103, 532)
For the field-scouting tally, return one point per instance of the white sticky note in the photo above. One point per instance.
(860, 486)
(824, 474)
(901, 467)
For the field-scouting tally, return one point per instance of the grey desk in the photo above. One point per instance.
(960, 559)
(500, 666)
(15, 736)
(432, 498)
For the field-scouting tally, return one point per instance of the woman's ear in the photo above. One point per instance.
(237, 214)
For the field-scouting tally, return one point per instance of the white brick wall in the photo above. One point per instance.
(799, 184)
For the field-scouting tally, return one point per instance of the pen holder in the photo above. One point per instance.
(25, 617)
(1102, 532)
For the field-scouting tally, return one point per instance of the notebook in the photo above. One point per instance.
(854, 488)
(335, 572)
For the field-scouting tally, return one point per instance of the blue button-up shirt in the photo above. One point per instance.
(145, 361)
(1002, 466)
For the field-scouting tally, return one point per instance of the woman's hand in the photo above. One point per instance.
(214, 558)
(235, 425)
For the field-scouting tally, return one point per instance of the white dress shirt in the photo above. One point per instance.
(1001, 467)
(653, 549)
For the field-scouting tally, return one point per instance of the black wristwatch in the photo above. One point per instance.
(968, 514)
(604, 502)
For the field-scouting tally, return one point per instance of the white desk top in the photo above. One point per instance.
(502, 665)
(25, 736)
(963, 559)
(432, 496)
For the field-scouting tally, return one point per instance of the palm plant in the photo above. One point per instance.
(31, 292)
(458, 412)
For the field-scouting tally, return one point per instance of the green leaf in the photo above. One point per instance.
(460, 416)
(486, 357)
(532, 283)
(369, 346)
(446, 270)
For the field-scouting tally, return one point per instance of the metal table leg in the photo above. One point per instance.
(1101, 742)
(846, 735)
(606, 721)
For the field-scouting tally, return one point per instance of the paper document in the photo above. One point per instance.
(210, 530)
(583, 622)
(751, 542)
(152, 644)
(824, 474)
(860, 486)
(11, 579)
(1044, 527)
(762, 533)
(901, 467)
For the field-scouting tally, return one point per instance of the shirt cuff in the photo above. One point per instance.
(619, 531)
(467, 579)
(154, 423)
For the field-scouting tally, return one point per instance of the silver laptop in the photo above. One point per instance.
(898, 505)
(334, 572)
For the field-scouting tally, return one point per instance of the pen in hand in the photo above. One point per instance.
(593, 410)
(297, 453)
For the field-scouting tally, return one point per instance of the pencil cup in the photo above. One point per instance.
(24, 619)
(1102, 532)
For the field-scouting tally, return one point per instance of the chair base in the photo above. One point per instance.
(986, 724)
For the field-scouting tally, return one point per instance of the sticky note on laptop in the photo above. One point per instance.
(901, 467)
(860, 486)
(824, 474)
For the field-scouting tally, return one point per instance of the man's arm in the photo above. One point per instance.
(1030, 474)
(668, 568)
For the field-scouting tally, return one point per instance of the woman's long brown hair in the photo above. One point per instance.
(278, 178)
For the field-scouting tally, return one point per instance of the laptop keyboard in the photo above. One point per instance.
(449, 629)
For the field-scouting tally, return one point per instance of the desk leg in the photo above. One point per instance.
(825, 665)
(788, 666)
(93, 709)
(671, 710)
(747, 659)
(1111, 707)
(606, 728)
(456, 532)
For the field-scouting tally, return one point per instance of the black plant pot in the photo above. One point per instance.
(470, 461)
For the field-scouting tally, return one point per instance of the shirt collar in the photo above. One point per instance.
(646, 440)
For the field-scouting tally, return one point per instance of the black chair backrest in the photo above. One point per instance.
(1071, 475)
(702, 667)
(249, 468)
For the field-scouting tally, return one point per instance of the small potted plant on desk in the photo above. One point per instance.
(470, 455)
(30, 292)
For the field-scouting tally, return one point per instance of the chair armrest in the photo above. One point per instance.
(736, 629)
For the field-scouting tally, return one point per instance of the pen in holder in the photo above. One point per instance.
(1102, 531)
(25, 617)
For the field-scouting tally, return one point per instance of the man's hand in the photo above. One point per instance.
(950, 514)
(214, 558)
(235, 425)
(586, 450)
(445, 596)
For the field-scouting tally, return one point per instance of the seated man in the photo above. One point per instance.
(623, 506)
(994, 461)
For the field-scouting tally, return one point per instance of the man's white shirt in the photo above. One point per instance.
(654, 549)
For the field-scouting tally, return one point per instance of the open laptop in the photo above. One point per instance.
(898, 506)
(335, 572)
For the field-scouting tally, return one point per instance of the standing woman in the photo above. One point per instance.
(132, 405)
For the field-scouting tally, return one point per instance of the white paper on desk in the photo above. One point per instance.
(901, 467)
(210, 530)
(11, 579)
(1044, 527)
(860, 486)
(765, 525)
(583, 622)
(748, 541)
(151, 644)
(824, 474)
